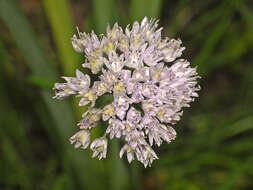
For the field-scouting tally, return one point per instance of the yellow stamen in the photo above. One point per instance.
(119, 87)
(100, 148)
(128, 127)
(81, 137)
(94, 117)
(109, 111)
(137, 39)
(102, 87)
(90, 96)
(129, 149)
(94, 64)
(149, 106)
(113, 32)
(157, 74)
(67, 90)
(108, 47)
(138, 75)
(123, 43)
(96, 53)
(161, 113)
(147, 34)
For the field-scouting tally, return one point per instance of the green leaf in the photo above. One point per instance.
(212, 40)
(19, 173)
(231, 179)
(241, 126)
(58, 14)
(141, 8)
(40, 81)
(104, 12)
(39, 65)
(119, 176)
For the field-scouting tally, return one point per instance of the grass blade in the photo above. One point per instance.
(209, 45)
(142, 8)
(63, 29)
(40, 66)
(231, 179)
(104, 12)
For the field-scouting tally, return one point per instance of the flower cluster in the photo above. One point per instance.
(149, 87)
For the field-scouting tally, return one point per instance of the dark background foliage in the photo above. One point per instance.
(213, 149)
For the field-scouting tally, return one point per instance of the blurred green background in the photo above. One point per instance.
(213, 149)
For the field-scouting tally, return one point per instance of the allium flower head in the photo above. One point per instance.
(146, 80)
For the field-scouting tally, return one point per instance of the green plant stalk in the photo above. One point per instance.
(138, 10)
(105, 12)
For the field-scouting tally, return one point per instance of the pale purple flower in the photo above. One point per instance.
(157, 72)
(115, 128)
(129, 151)
(139, 88)
(62, 90)
(152, 56)
(121, 104)
(73, 85)
(94, 63)
(141, 74)
(115, 63)
(173, 50)
(133, 137)
(146, 155)
(108, 112)
(137, 95)
(160, 133)
(149, 90)
(101, 87)
(81, 139)
(78, 43)
(89, 96)
(99, 147)
(109, 77)
(114, 33)
(90, 118)
(133, 116)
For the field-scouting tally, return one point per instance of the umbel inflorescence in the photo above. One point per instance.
(148, 86)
